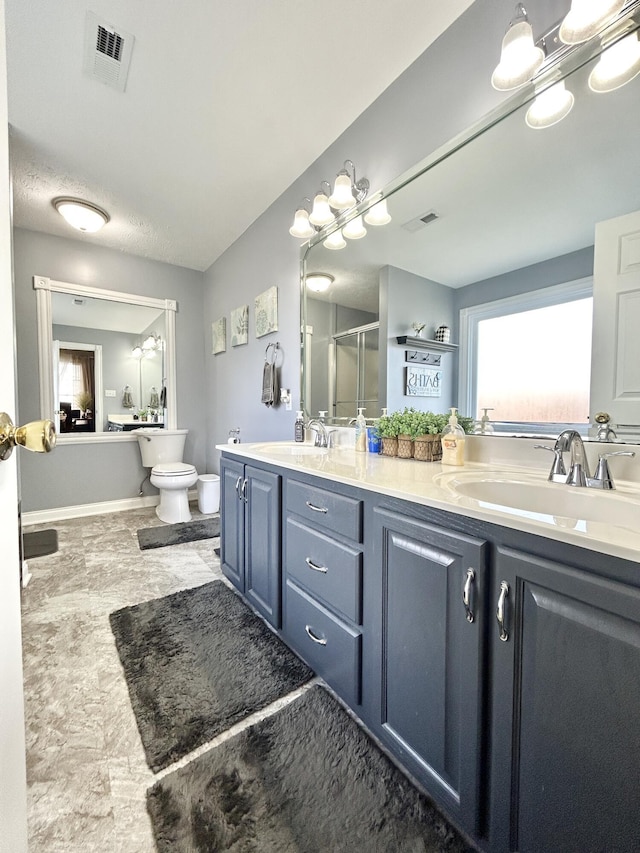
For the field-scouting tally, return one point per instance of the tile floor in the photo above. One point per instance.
(86, 770)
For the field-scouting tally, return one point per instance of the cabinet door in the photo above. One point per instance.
(232, 522)
(566, 693)
(422, 657)
(262, 580)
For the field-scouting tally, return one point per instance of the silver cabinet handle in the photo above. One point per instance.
(243, 491)
(316, 508)
(315, 567)
(466, 594)
(504, 592)
(238, 481)
(319, 640)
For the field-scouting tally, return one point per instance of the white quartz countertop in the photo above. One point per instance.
(604, 521)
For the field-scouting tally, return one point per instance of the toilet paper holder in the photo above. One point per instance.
(234, 436)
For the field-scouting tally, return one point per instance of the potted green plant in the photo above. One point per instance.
(410, 426)
(388, 427)
(84, 401)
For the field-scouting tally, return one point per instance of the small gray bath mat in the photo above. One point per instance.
(39, 543)
(196, 662)
(305, 780)
(176, 534)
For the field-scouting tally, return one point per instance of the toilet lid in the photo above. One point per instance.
(173, 469)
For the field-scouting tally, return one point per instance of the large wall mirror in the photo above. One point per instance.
(107, 360)
(508, 211)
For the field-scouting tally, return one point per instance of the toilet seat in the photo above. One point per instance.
(173, 469)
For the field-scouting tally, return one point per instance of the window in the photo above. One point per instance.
(528, 358)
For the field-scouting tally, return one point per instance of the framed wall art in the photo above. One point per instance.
(267, 312)
(240, 326)
(219, 335)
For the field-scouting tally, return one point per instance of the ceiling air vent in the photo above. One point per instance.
(107, 52)
(421, 221)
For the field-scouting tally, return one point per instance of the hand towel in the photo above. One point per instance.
(268, 383)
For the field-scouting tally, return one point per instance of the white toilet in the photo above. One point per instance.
(161, 450)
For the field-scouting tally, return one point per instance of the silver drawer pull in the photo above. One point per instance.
(504, 592)
(319, 640)
(466, 594)
(316, 508)
(315, 568)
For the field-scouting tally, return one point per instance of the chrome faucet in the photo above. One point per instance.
(571, 441)
(322, 436)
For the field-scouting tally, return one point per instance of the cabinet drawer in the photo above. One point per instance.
(330, 647)
(337, 513)
(328, 569)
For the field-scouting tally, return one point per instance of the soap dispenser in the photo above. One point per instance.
(453, 439)
(484, 425)
(298, 427)
(361, 432)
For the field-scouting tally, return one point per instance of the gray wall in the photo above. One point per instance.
(445, 91)
(405, 298)
(90, 473)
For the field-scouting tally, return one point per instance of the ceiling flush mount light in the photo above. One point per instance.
(586, 18)
(378, 214)
(520, 57)
(335, 241)
(319, 282)
(550, 107)
(618, 65)
(80, 214)
(348, 191)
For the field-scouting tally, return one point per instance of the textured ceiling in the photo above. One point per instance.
(219, 117)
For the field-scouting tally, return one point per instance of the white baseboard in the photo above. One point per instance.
(60, 513)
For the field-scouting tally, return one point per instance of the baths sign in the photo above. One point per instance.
(423, 381)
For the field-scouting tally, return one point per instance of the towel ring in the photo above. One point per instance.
(274, 354)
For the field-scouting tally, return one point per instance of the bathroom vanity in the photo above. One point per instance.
(494, 653)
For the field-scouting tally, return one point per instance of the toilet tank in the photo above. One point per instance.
(160, 445)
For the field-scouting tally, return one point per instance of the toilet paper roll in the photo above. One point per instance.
(233, 440)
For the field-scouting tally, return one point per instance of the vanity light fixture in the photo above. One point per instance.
(321, 214)
(151, 342)
(378, 214)
(550, 106)
(520, 57)
(335, 240)
(319, 282)
(137, 352)
(301, 227)
(619, 64)
(586, 18)
(348, 191)
(81, 214)
(354, 229)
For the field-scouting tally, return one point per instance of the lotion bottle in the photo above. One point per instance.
(453, 439)
(298, 428)
(361, 432)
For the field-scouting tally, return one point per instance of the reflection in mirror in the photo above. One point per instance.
(511, 213)
(106, 359)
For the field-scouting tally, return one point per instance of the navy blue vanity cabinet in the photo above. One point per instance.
(423, 672)
(323, 581)
(565, 747)
(250, 541)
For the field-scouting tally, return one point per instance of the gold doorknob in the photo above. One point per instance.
(39, 436)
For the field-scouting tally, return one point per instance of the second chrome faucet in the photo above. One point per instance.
(570, 441)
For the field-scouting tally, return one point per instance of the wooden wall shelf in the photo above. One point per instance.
(423, 343)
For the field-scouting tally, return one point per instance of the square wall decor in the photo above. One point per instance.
(240, 325)
(267, 312)
(219, 335)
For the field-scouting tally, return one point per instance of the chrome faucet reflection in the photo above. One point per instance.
(320, 430)
(570, 441)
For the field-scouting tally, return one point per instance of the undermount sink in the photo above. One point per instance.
(288, 448)
(550, 501)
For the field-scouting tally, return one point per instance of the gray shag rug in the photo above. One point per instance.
(175, 534)
(196, 662)
(305, 780)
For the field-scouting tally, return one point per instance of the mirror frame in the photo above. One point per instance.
(565, 62)
(44, 287)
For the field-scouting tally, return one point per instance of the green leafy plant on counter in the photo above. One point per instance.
(414, 423)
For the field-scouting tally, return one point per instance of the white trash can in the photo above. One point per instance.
(209, 493)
